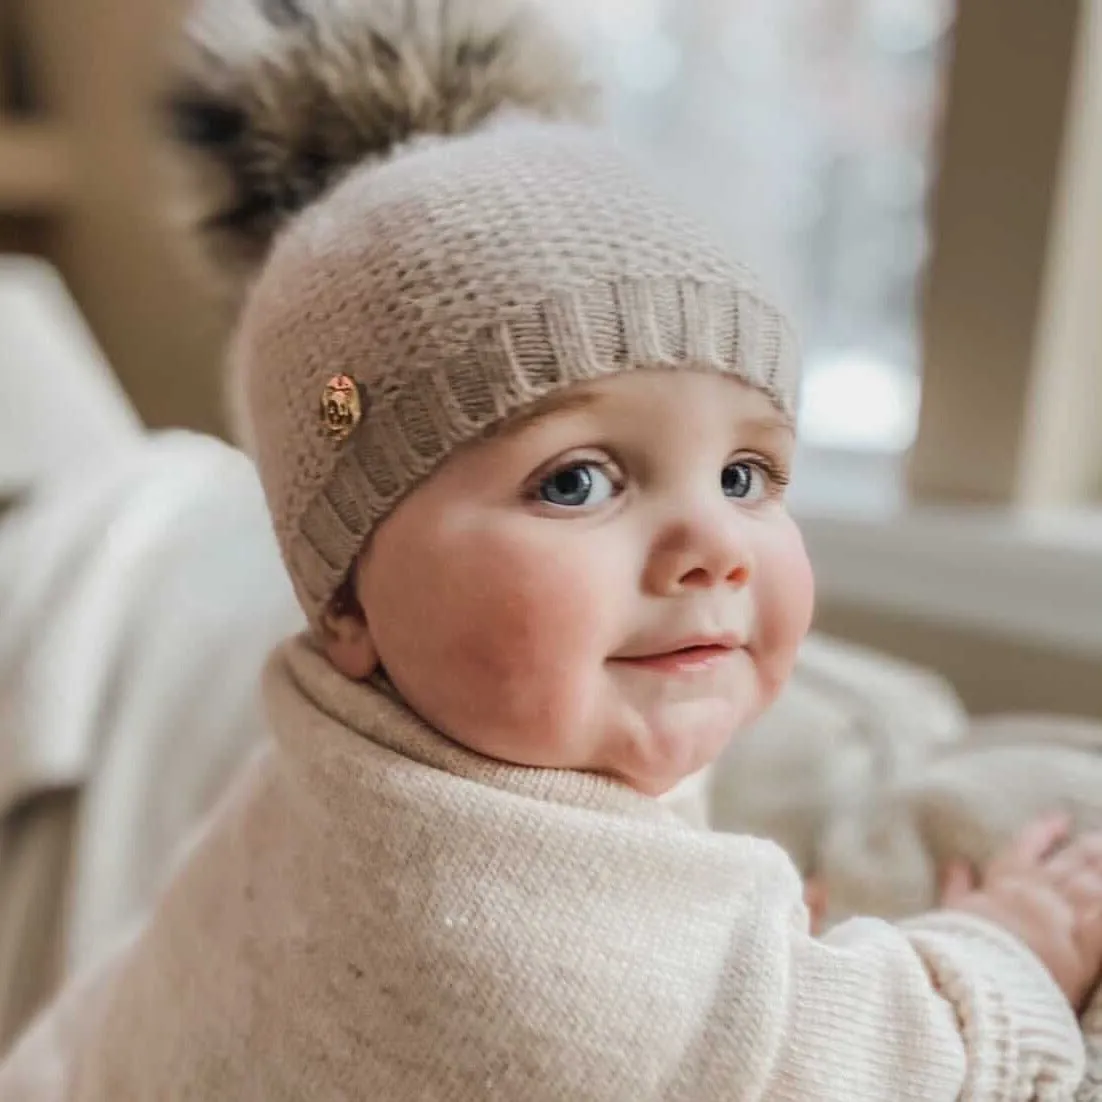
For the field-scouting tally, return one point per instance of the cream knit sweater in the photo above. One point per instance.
(377, 913)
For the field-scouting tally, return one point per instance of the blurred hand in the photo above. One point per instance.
(1046, 889)
(815, 898)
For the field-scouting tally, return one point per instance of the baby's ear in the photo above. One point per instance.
(346, 640)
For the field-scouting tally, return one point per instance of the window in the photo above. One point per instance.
(804, 129)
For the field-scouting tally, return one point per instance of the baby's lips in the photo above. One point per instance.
(684, 642)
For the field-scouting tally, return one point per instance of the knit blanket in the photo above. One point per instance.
(376, 912)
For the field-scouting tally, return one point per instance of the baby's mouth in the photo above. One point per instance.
(694, 656)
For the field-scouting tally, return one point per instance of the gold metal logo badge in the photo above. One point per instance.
(341, 406)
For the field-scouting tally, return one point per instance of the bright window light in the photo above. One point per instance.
(856, 401)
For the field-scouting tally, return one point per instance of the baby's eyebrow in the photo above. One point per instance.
(567, 401)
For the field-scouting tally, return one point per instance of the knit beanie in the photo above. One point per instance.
(457, 247)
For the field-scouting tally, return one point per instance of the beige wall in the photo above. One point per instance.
(993, 202)
(97, 64)
(1061, 459)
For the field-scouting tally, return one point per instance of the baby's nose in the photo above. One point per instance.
(700, 552)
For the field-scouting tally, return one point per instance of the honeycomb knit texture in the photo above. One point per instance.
(457, 283)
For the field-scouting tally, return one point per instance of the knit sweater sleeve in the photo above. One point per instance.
(945, 1006)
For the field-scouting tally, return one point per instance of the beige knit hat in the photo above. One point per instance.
(424, 297)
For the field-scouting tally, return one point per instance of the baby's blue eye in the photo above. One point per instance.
(583, 484)
(743, 481)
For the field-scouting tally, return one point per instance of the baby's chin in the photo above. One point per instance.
(683, 739)
(651, 741)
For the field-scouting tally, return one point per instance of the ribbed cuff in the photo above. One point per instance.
(1020, 1031)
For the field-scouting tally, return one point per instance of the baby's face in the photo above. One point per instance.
(612, 584)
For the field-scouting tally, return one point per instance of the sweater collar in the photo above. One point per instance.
(303, 688)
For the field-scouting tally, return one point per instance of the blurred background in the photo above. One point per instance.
(920, 180)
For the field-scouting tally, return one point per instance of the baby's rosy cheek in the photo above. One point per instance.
(530, 634)
(800, 597)
(789, 585)
(785, 601)
(540, 638)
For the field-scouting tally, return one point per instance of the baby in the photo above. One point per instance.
(524, 432)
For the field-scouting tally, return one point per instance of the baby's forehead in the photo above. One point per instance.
(621, 394)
